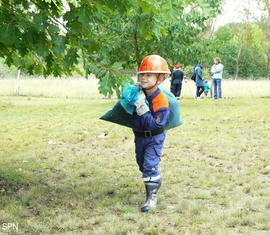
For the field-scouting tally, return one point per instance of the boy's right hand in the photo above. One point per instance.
(141, 106)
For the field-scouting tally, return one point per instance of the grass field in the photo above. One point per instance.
(59, 175)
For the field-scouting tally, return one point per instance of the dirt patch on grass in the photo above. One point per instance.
(8, 187)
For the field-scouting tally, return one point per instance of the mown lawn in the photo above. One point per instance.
(60, 174)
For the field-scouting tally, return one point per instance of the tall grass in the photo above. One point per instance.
(83, 88)
(52, 87)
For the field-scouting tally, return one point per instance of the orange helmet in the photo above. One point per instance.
(154, 64)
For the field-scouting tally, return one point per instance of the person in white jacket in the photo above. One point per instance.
(216, 72)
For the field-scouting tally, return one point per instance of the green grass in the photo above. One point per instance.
(57, 176)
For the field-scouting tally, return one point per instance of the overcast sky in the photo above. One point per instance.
(233, 11)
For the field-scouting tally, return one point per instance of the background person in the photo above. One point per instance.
(216, 72)
(199, 80)
(176, 82)
(206, 87)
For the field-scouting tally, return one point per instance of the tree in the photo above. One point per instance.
(241, 48)
(106, 36)
(265, 26)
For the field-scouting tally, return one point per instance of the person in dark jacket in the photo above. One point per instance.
(176, 82)
(199, 80)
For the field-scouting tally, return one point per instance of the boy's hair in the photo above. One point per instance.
(218, 60)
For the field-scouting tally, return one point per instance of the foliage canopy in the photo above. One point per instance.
(52, 37)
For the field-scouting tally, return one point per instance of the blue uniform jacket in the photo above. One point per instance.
(199, 76)
(158, 115)
(177, 76)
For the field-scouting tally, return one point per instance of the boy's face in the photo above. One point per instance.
(149, 80)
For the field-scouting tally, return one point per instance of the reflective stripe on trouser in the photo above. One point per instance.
(148, 152)
(152, 179)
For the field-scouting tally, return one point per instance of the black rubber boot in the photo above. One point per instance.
(151, 196)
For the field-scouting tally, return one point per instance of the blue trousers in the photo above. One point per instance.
(217, 88)
(148, 152)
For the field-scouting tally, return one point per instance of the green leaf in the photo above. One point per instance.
(59, 45)
(83, 15)
(117, 65)
(38, 69)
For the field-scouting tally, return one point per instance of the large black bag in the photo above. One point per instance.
(119, 115)
(193, 77)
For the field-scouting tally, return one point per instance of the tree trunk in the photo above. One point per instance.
(212, 28)
(268, 63)
(137, 50)
(18, 82)
(237, 63)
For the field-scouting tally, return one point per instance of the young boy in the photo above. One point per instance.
(152, 113)
(206, 87)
